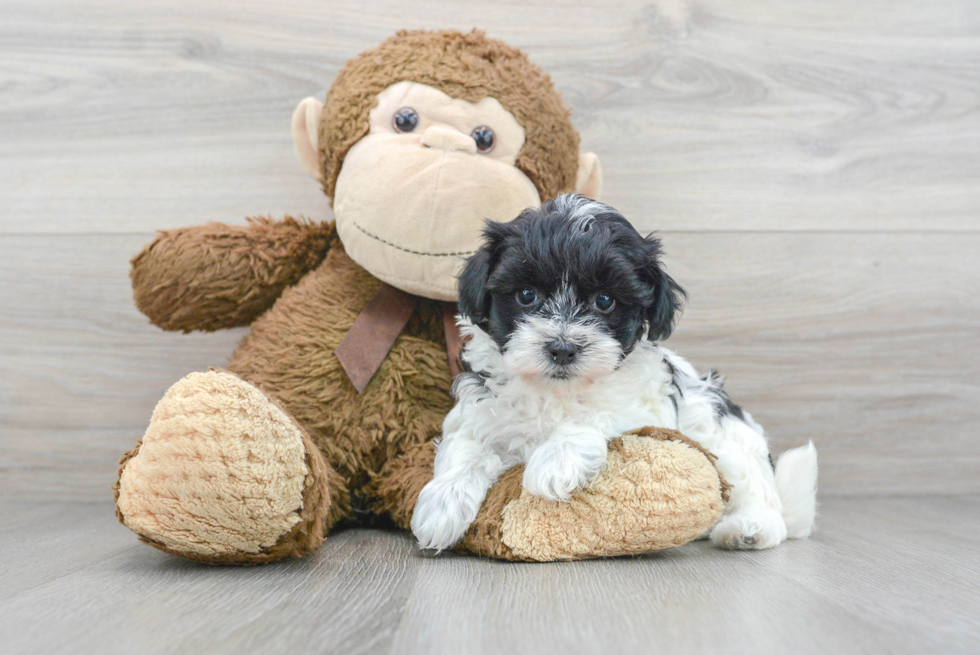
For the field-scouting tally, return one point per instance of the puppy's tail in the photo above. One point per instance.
(796, 482)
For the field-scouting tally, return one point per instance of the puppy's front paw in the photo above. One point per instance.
(751, 527)
(556, 470)
(441, 517)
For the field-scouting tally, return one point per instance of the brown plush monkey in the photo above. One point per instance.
(329, 408)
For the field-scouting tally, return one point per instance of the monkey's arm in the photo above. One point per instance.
(217, 276)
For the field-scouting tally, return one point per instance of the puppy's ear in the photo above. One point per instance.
(668, 296)
(474, 299)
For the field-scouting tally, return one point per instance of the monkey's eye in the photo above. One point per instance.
(406, 119)
(527, 297)
(604, 303)
(483, 136)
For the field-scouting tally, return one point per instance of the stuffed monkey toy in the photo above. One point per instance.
(330, 408)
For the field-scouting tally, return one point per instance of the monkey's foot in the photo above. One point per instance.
(224, 476)
(659, 490)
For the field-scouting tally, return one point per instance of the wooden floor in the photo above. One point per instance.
(889, 575)
(812, 167)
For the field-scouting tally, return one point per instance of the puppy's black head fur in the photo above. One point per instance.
(569, 252)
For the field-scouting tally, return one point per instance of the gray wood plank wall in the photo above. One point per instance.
(814, 170)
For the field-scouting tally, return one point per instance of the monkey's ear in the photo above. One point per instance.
(305, 127)
(588, 181)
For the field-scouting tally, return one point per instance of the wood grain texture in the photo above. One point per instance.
(880, 576)
(813, 168)
(128, 117)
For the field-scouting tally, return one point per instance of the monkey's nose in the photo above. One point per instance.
(562, 353)
(444, 138)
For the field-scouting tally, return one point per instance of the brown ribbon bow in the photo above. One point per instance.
(375, 330)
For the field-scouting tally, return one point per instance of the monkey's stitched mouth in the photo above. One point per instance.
(464, 253)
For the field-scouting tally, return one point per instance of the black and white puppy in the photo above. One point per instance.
(564, 308)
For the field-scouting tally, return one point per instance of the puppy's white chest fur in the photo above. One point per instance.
(513, 417)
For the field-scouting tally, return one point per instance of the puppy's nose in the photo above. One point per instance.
(562, 353)
(444, 138)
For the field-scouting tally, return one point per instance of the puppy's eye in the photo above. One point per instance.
(406, 120)
(604, 303)
(527, 297)
(483, 136)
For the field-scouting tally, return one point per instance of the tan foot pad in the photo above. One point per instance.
(220, 473)
(659, 490)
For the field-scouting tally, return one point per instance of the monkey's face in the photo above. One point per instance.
(412, 195)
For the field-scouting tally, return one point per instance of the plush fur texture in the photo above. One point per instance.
(290, 355)
(204, 493)
(218, 276)
(562, 307)
(467, 66)
(658, 491)
(289, 363)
